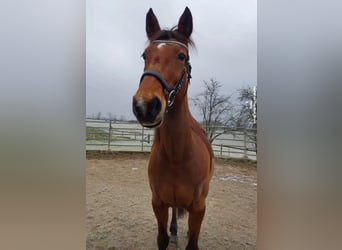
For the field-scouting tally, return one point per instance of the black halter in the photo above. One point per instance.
(170, 92)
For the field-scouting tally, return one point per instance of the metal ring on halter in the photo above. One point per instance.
(171, 98)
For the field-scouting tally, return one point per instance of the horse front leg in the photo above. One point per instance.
(196, 214)
(161, 212)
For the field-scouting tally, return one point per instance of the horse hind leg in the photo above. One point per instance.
(173, 224)
(177, 213)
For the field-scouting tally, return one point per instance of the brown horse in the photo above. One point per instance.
(181, 160)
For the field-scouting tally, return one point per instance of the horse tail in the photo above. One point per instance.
(181, 212)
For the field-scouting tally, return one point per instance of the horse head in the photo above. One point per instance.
(167, 70)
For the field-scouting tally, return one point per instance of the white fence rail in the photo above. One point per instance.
(130, 137)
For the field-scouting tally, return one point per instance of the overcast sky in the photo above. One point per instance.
(225, 34)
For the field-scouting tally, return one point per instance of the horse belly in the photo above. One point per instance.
(184, 196)
(176, 196)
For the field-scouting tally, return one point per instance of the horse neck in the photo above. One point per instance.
(174, 135)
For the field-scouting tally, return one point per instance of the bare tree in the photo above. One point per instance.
(216, 110)
(246, 117)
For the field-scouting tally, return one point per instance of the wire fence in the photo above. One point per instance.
(108, 135)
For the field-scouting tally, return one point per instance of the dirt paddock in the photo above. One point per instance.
(119, 213)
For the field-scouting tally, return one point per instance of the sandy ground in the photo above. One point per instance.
(119, 213)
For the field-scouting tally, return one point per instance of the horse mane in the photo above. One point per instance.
(172, 34)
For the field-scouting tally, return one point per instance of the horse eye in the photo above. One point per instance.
(144, 56)
(181, 56)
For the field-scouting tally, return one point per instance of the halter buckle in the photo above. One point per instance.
(171, 98)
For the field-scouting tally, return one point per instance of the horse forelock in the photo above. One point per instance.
(173, 34)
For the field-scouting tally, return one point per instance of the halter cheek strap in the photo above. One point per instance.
(170, 92)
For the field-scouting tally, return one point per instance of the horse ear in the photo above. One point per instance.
(152, 25)
(185, 23)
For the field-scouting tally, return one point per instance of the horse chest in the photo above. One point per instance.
(174, 188)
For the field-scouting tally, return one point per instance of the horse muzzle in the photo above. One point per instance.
(148, 112)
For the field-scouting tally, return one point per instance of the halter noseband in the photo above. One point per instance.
(170, 92)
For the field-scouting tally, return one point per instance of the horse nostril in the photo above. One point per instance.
(138, 110)
(154, 107)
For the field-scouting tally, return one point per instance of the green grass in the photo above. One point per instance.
(96, 133)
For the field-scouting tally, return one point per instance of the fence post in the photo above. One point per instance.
(244, 143)
(221, 150)
(142, 140)
(109, 134)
